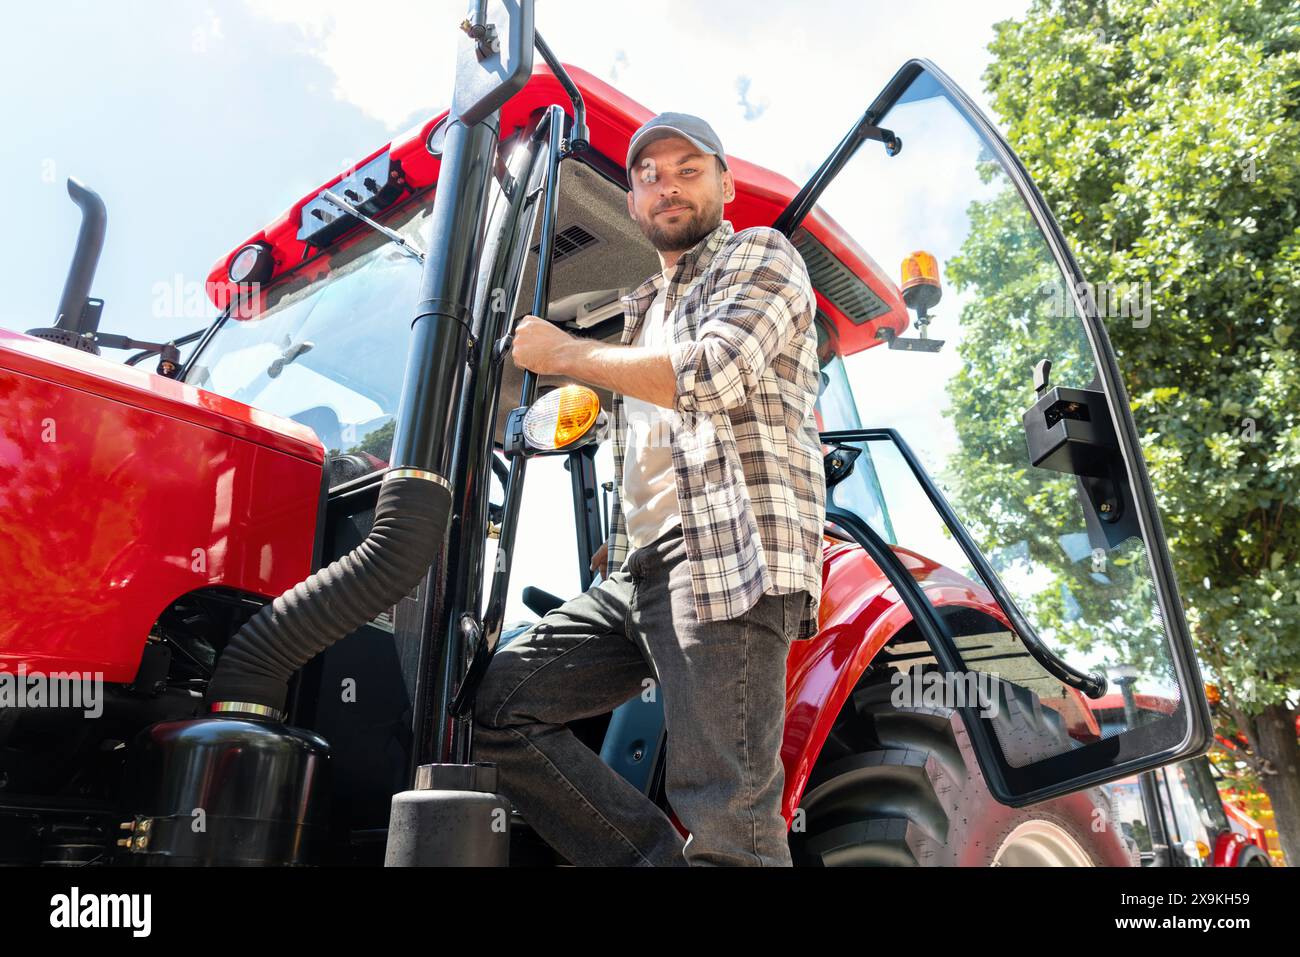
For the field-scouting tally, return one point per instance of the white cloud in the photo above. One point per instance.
(815, 69)
(388, 58)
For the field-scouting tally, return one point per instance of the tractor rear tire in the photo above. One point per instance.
(900, 786)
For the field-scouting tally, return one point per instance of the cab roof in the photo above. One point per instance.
(761, 195)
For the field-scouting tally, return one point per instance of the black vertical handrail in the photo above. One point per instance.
(552, 125)
(528, 390)
(505, 257)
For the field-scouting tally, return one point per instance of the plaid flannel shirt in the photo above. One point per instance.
(746, 454)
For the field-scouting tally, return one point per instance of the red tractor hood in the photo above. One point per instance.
(137, 387)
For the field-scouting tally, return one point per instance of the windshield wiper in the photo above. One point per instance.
(351, 210)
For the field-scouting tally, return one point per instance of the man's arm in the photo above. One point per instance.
(751, 314)
(749, 317)
(642, 372)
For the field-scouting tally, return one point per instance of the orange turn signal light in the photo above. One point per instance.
(561, 417)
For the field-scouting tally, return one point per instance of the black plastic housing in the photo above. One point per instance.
(226, 791)
(1069, 430)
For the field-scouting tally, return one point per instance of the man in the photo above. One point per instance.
(716, 540)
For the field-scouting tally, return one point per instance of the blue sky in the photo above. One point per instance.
(198, 122)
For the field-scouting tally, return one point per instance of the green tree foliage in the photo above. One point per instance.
(1017, 314)
(1165, 136)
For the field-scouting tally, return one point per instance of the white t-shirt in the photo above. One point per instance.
(649, 493)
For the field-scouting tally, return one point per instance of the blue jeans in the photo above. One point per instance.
(723, 687)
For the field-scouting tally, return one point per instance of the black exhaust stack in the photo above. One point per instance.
(77, 319)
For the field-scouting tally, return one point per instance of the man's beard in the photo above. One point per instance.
(690, 228)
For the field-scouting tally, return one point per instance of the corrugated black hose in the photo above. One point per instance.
(410, 521)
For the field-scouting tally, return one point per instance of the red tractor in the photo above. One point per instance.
(273, 571)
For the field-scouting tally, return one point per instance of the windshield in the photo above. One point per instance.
(836, 408)
(329, 350)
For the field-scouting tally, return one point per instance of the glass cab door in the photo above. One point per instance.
(993, 467)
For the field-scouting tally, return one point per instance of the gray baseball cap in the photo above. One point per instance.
(675, 124)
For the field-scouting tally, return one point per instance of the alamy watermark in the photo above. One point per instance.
(75, 909)
(56, 689)
(178, 298)
(655, 427)
(1106, 300)
(946, 689)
